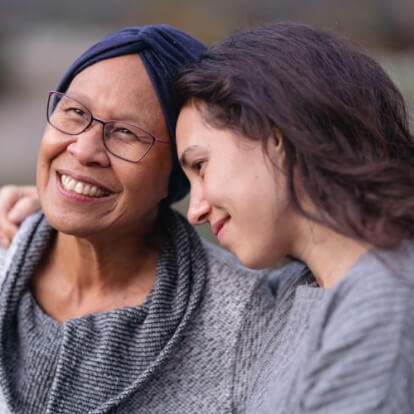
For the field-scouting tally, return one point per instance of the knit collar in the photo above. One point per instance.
(136, 341)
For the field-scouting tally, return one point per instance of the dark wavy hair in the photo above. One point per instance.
(343, 122)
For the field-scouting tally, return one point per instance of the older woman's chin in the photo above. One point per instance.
(69, 226)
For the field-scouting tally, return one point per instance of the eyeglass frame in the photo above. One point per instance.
(104, 123)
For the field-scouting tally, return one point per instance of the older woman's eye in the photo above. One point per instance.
(75, 112)
(79, 111)
(124, 131)
(122, 134)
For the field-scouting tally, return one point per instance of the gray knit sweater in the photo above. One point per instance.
(189, 348)
(344, 350)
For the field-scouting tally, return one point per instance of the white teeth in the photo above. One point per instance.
(78, 188)
(92, 191)
(70, 184)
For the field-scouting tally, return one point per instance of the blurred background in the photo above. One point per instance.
(40, 39)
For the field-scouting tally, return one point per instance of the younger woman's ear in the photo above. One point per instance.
(275, 148)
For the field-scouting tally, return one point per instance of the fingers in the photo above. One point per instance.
(8, 196)
(23, 208)
(16, 203)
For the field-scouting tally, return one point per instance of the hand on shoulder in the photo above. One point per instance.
(16, 203)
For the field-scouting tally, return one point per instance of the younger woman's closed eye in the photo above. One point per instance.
(198, 166)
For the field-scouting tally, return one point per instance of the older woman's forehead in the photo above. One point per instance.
(120, 86)
(125, 75)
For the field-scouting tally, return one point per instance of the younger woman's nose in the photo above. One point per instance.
(198, 209)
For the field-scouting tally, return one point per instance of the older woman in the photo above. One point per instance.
(297, 144)
(109, 301)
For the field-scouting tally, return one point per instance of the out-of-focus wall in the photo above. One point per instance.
(33, 62)
(39, 39)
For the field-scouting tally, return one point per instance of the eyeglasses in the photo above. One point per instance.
(123, 140)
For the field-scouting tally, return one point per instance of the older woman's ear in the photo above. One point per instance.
(16, 203)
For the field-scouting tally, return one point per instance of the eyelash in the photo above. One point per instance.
(197, 166)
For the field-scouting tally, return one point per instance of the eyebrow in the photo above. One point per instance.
(131, 118)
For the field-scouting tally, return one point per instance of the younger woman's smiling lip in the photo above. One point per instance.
(218, 226)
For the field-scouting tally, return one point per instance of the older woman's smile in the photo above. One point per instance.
(83, 186)
(79, 187)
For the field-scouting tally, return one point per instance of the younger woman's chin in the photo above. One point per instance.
(258, 262)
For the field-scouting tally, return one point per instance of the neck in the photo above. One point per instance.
(110, 262)
(328, 254)
(81, 276)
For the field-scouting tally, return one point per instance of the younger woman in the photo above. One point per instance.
(297, 144)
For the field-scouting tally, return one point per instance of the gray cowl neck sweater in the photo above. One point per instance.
(348, 349)
(82, 359)
(177, 352)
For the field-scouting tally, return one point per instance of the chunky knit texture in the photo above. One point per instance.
(179, 352)
(344, 350)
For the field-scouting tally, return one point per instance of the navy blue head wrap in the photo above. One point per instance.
(163, 50)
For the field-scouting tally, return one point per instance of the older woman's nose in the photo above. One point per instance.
(88, 147)
(199, 208)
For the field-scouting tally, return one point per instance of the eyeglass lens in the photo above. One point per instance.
(122, 139)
